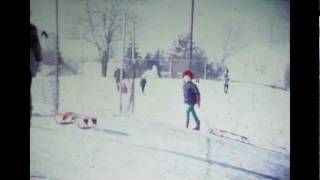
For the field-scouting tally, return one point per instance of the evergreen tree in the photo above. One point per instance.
(157, 59)
(147, 62)
(153, 60)
(181, 52)
(129, 64)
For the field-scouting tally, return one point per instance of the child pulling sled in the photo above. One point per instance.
(191, 97)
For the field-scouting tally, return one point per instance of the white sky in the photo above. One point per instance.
(161, 22)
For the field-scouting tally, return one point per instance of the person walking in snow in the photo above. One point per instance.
(143, 83)
(116, 76)
(191, 97)
(226, 81)
(35, 57)
(35, 50)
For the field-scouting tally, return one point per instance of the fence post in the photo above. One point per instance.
(170, 68)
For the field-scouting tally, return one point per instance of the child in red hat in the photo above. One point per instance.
(191, 97)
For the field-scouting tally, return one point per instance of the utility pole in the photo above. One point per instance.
(123, 56)
(58, 59)
(133, 68)
(191, 33)
(131, 99)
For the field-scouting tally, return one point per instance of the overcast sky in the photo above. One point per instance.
(162, 21)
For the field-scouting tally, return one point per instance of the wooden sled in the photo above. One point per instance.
(229, 135)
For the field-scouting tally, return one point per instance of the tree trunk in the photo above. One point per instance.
(107, 61)
(103, 67)
(104, 62)
(205, 71)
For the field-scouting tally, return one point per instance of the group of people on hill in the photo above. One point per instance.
(123, 88)
(190, 89)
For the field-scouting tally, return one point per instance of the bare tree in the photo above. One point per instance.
(231, 44)
(100, 27)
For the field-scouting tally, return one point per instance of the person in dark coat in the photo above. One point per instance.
(35, 57)
(191, 97)
(35, 50)
(143, 83)
(116, 75)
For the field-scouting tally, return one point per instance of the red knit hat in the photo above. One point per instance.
(188, 73)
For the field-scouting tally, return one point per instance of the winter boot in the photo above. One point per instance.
(197, 128)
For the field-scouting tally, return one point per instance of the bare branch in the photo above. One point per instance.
(92, 42)
(105, 25)
(91, 24)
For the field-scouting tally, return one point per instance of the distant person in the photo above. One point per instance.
(143, 83)
(191, 97)
(226, 81)
(116, 75)
(35, 57)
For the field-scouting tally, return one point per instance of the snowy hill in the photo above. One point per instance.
(153, 143)
(256, 111)
(122, 148)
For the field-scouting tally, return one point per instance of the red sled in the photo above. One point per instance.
(66, 118)
(83, 121)
(86, 122)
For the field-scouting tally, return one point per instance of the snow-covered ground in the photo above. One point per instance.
(153, 143)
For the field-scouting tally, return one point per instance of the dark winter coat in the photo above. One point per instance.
(191, 93)
(116, 75)
(35, 43)
(35, 50)
(143, 82)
